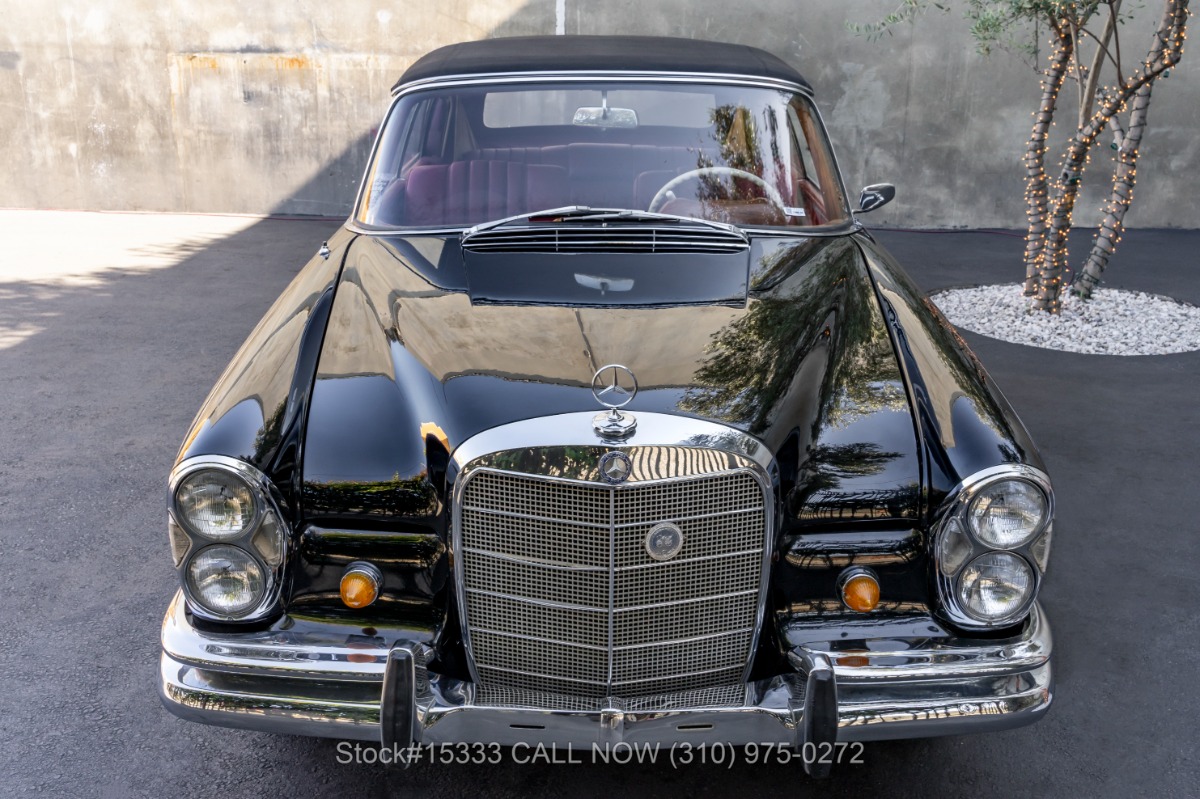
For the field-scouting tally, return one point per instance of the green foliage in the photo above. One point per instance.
(907, 11)
(995, 24)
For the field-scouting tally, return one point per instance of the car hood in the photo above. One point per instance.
(411, 367)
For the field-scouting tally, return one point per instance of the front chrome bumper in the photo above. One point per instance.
(330, 685)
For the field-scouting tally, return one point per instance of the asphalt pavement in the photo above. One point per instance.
(113, 327)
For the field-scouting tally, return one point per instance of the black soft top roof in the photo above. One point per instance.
(599, 53)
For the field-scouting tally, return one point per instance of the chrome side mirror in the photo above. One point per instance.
(875, 196)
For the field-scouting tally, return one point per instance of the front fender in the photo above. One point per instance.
(965, 423)
(257, 408)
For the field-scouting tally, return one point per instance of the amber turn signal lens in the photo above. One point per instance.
(360, 585)
(861, 593)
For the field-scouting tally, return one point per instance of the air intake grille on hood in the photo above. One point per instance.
(607, 239)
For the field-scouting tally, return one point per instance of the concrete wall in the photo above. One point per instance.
(223, 106)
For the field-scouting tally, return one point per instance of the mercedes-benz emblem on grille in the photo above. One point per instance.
(664, 541)
(614, 386)
(615, 467)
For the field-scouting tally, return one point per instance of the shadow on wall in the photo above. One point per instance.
(330, 192)
(332, 189)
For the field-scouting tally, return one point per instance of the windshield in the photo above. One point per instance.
(748, 156)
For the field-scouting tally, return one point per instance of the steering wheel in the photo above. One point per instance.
(661, 198)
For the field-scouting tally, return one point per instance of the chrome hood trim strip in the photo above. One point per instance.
(654, 430)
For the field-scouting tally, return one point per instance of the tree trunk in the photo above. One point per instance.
(1124, 178)
(1097, 67)
(1052, 263)
(1036, 183)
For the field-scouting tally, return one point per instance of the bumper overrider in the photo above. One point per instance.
(326, 684)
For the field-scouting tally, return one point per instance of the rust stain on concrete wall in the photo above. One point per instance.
(291, 62)
(202, 61)
(282, 116)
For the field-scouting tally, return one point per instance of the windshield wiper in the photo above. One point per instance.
(583, 213)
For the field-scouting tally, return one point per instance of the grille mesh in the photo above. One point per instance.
(722, 696)
(584, 610)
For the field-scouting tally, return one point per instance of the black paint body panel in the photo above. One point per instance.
(371, 374)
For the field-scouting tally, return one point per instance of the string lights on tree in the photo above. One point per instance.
(1076, 27)
(1050, 275)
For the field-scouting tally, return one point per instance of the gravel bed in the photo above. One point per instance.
(1113, 322)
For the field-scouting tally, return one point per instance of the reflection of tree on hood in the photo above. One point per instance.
(828, 465)
(824, 310)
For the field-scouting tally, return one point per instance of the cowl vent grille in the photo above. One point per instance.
(607, 239)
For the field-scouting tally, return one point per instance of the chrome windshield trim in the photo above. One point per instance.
(851, 224)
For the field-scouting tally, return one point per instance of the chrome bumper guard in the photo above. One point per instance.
(328, 685)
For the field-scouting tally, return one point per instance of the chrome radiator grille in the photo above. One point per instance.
(561, 595)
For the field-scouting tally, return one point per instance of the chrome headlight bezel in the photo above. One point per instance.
(953, 531)
(267, 512)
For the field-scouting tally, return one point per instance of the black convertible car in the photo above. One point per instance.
(604, 420)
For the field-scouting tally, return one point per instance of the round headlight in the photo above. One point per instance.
(996, 586)
(215, 504)
(225, 579)
(1007, 513)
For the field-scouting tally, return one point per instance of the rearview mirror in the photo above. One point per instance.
(875, 196)
(605, 117)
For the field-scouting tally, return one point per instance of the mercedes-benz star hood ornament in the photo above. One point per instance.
(614, 386)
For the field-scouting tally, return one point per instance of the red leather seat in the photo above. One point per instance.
(470, 192)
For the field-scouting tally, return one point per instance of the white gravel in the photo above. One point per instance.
(1113, 322)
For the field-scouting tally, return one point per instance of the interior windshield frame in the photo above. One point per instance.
(846, 219)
